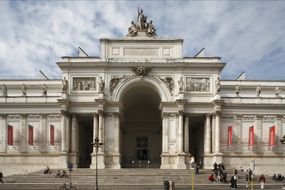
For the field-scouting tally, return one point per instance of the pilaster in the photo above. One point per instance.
(165, 142)
(238, 133)
(74, 141)
(3, 134)
(207, 135)
(24, 129)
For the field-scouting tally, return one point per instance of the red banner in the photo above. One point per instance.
(31, 135)
(230, 136)
(272, 136)
(251, 137)
(51, 134)
(10, 135)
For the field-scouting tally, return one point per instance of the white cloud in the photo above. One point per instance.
(247, 35)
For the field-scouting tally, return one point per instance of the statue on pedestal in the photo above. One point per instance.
(101, 84)
(24, 90)
(4, 90)
(64, 85)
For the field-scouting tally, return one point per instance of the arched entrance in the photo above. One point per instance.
(141, 127)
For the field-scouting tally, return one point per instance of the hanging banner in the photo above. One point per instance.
(51, 134)
(251, 137)
(10, 135)
(31, 135)
(230, 136)
(272, 136)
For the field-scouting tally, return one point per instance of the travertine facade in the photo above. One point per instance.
(148, 105)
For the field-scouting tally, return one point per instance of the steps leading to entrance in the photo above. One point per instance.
(85, 179)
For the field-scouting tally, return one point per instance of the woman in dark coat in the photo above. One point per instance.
(233, 182)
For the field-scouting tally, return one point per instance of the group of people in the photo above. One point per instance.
(278, 177)
(61, 174)
(219, 173)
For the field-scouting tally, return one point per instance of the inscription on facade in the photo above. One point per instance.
(140, 52)
(84, 84)
(194, 84)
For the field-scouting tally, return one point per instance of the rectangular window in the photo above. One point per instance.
(10, 135)
(51, 134)
(251, 137)
(272, 136)
(230, 136)
(31, 135)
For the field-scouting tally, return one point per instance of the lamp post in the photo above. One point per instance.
(96, 143)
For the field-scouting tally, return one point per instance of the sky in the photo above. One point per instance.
(248, 35)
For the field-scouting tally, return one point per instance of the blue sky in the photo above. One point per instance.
(248, 35)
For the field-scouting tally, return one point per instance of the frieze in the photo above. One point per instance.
(228, 116)
(84, 84)
(195, 84)
(269, 117)
(34, 117)
(54, 117)
(168, 81)
(249, 117)
(14, 117)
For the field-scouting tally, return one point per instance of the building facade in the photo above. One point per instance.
(148, 105)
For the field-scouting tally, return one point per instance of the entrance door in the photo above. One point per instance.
(141, 128)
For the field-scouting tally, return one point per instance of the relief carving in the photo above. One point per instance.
(249, 117)
(181, 84)
(14, 117)
(194, 84)
(168, 81)
(141, 70)
(114, 82)
(84, 84)
(54, 117)
(34, 117)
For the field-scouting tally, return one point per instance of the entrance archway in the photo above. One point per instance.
(141, 127)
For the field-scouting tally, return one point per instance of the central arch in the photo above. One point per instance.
(141, 135)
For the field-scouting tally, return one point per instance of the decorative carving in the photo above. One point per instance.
(249, 117)
(64, 85)
(168, 81)
(237, 90)
(268, 117)
(101, 84)
(194, 84)
(4, 90)
(258, 90)
(24, 90)
(141, 26)
(277, 91)
(218, 84)
(44, 90)
(34, 117)
(141, 70)
(114, 82)
(54, 117)
(181, 84)
(228, 116)
(14, 117)
(84, 83)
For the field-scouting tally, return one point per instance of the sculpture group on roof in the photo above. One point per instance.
(141, 26)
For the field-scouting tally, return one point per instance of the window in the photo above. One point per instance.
(31, 135)
(10, 135)
(51, 134)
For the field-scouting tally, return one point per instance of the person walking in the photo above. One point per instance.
(234, 182)
(1, 177)
(262, 181)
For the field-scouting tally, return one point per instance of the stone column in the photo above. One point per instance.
(64, 134)
(95, 129)
(116, 156)
(207, 135)
(180, 132)
(217, 133)
(165, 142)
(74, 141)
(44, 133)
(101, 130)
(213, 132)
(4, 133)
(101, 151)
(258, 134)
(238, 122)
(278, 128)
(24, 140)
(186, 134)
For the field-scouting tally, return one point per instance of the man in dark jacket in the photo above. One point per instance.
(233, 182)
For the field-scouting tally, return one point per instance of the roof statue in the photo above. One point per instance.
(141, 26)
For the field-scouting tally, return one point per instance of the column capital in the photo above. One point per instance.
(164, 114)
(100, 112)
(101, 102)
(279, 117)
(259, 116)
(3, 116)
(65, 113)
(208, 114)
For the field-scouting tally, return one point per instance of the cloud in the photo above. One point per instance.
(249, 36)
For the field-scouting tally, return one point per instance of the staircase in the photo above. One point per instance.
(123, 179)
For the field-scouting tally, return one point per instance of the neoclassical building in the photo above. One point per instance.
(148, 105)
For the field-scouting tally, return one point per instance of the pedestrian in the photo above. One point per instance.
(1, 177)
(262, 181)
(196, 169)
(233, 182)
(246, 179)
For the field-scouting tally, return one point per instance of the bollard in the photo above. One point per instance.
(165, 184)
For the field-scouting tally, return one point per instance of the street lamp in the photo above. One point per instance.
(96, 144)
